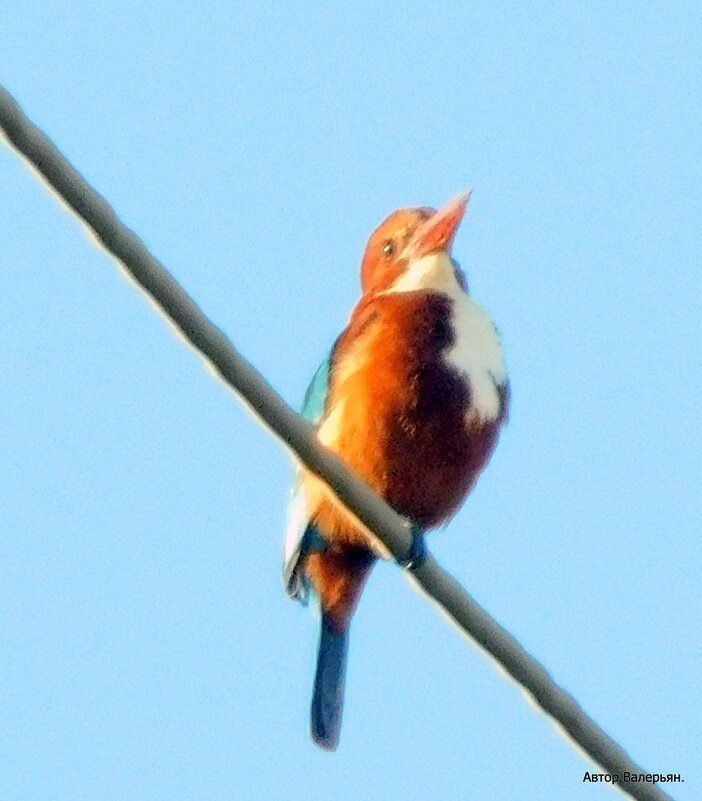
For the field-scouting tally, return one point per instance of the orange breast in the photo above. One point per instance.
(397, 414)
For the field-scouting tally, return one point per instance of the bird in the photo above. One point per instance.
(411, 397)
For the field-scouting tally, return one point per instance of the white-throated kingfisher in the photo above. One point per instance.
(412, 398)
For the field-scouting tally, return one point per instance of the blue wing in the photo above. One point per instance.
(300, 535)
(316, 395)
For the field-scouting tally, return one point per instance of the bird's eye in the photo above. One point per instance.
(388, 248)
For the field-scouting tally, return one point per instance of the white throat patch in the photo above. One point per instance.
(477, 349)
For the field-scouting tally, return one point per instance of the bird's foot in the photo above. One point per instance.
(418, 549)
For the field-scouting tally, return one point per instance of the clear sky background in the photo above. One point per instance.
(146, 648)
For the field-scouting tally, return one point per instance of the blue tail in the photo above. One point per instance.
(328, 692)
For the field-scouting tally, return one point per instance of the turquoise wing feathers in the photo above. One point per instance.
(300, 535)
(316, 395)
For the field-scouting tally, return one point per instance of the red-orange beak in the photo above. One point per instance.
(438, 231)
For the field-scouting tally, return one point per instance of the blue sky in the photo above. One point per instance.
(148, 651)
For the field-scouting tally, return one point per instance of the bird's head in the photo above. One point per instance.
(407, 237)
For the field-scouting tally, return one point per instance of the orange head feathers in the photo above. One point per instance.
(405, 236)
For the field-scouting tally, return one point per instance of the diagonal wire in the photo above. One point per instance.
(298, 436)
